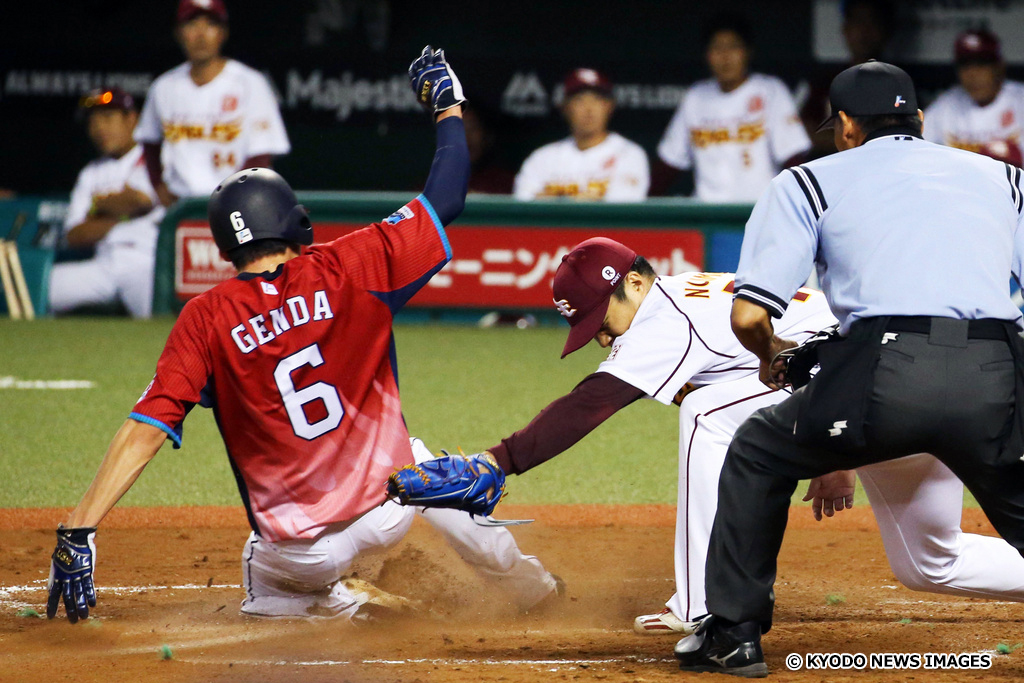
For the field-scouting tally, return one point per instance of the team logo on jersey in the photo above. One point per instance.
(400, 215)
(564, 308)
(609, 273)
(609, 164)
(899, 101)
(756, 104)
(269, 288)
(1007, 118)
(229, 103)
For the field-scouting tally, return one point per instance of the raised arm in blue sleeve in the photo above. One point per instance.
(449, 173)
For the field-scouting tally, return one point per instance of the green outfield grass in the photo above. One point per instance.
(461, 387)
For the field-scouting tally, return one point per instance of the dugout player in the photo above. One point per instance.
(296, 357)
(985, 112)
(114, 209)
(670, 340)
(593, 163)
(930, 358)
(734, 130)
(210, 116)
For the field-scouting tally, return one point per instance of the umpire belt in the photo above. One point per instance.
(941, 327)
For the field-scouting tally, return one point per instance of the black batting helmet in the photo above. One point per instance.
(256, 204)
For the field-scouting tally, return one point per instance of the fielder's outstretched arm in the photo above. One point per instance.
(564, 422)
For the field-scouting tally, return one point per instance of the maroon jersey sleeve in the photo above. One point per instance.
(182, 373)
(564, 422)
(393, 259)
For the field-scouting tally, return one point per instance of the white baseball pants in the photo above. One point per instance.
(916, 500)
(119, 272)
(301, 578)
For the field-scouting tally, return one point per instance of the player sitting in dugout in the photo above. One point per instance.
(735, 130)
(593, 163)
(113, 209)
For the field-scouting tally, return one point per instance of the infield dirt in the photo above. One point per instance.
(169, 576)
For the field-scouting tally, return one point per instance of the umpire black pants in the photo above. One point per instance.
(952, 397)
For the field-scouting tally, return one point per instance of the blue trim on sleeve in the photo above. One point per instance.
(173, 434)
(437, 225)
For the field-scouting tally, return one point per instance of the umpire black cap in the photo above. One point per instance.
(256, 204)
(871, 89)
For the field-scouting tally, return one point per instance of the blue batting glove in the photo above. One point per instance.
(434, 82)
(71, 573)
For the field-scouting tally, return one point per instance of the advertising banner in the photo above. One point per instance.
(499, 267)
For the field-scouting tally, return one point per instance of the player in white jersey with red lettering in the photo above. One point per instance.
(593, 163)
(296, 357)
(985, 113)
(735, 130)
(671, 340)
(210, 116)
(113, 209)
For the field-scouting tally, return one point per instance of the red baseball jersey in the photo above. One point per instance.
(299, 368)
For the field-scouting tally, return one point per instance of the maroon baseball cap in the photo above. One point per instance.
(584, 283)
(579, 80)
(189, 9)
(111, 98)
(977, 45)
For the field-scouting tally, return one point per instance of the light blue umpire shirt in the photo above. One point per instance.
(897, 226)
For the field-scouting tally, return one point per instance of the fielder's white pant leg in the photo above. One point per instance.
(708, 418)
(918, 503)
(133, 278)
(300, 578)
(81, 283)
(491, 551)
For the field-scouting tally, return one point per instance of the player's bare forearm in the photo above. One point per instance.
(132, 448)
(753, 327)
(90, 231)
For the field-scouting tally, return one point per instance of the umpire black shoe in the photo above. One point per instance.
(716, 648)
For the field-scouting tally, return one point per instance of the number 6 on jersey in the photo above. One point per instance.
(294, 399)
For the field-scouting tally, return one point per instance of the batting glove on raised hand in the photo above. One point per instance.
(436, 86)
(71, 573)
(472, 483)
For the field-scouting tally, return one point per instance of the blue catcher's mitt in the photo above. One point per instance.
(473, 483)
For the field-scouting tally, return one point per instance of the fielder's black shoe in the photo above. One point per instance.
(715, 648)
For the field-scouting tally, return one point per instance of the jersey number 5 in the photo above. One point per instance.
(295, 399)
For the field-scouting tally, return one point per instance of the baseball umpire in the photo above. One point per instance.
(915, 245)
(296, 357)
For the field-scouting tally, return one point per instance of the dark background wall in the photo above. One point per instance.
(339, 68)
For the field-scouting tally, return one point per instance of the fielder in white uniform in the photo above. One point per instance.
(114, 209)
(209, 117)
(735, 130)
(671, 340)
(593, 163)
(270, 571)
(985, 112)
